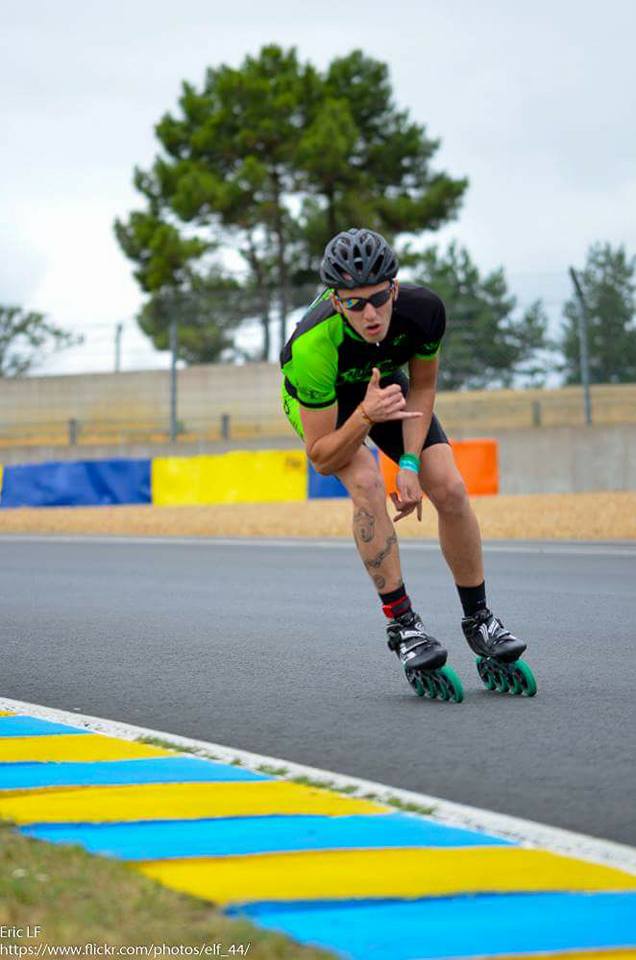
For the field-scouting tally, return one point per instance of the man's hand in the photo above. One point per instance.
(409, 495)
(386, 403)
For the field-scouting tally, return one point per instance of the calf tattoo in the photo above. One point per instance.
(364, 525)
(380, 557)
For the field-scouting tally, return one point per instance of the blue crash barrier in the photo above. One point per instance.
(79, 483)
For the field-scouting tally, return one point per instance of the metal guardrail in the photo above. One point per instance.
(461, 413)
(78, 432)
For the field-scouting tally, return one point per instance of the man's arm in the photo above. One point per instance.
(329, 449)
(421, 398)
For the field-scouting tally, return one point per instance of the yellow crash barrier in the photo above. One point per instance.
(259, 476)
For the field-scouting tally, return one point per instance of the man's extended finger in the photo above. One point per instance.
(405, 414)
(395, 406)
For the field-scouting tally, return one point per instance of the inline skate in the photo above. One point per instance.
(423, 659)
(498, 652)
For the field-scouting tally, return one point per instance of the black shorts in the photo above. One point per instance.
(387, 435)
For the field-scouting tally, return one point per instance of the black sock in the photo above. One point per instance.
(472, 599)
(395, 603)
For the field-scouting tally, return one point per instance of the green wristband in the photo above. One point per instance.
(409, 461)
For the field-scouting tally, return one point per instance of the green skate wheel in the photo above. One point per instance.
(430, 685)
(423, 685)
(448, 679)
(414, 681)
(525, 678)
(514, 681)
(501, 680)
(443, 689)
(485, 673)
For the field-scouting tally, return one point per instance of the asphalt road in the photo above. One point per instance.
(279, 649)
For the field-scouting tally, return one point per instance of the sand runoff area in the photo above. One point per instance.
(577, 516)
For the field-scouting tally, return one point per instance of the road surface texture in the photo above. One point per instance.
(279, 649)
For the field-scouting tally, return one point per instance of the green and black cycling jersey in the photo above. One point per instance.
(325, 356)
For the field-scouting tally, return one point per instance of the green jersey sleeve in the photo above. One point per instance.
(315, 367)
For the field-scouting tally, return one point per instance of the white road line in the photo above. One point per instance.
(622, 548)
(527, 832)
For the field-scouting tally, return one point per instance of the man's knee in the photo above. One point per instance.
(449, 494)
(365, 484)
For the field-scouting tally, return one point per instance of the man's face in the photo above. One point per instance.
(371, 322)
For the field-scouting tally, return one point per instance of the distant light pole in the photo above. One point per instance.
(173, 380)
(584, 348)
(118, 332)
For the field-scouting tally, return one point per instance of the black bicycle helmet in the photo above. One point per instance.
(357, 258)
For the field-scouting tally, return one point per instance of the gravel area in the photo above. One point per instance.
(578, 516)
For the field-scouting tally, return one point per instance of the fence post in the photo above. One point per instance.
(73, 431)
(174, 429)
(225, 426)
(584, 347)
(536, 413)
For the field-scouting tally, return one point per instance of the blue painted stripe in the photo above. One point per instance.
(14, 776)
(19, 726)
(244, 835)
(456, 926)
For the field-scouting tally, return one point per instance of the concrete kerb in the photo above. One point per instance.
(525, 832)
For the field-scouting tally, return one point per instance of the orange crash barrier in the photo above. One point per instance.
(476, 461)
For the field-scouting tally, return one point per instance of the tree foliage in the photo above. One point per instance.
(26, 337)
(488, 342)
(208, 312)
(608, 283)
(270, 159)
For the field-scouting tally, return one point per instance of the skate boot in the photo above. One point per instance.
(498, 653)
(423, 658)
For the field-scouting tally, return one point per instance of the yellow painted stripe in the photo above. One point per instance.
(175, 801)
(6, 713)
(62, 748)
(355, 874)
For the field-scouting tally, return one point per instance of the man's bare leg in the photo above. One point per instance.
(377, 545)
(459, 534)
(373, 531)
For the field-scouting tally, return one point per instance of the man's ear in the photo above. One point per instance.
(334, 302)
(396, 289)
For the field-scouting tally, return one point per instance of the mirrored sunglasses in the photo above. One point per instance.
(358, 303)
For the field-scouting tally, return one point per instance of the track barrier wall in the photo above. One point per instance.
(255, 476)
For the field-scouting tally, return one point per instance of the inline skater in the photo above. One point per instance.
(343, 383)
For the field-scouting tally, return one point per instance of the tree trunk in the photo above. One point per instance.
(331, 211)
(261, 286)
(266, 335)
(281, 262)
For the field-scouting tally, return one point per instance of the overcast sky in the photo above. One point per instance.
(533, 101)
